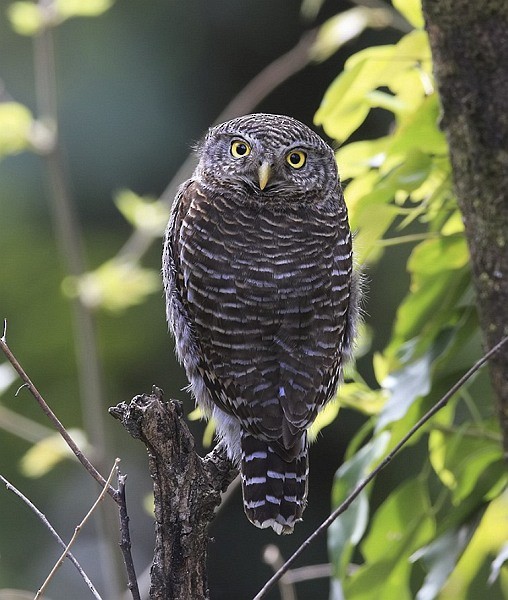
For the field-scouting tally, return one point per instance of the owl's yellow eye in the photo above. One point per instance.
(296, 159)
(240, 149)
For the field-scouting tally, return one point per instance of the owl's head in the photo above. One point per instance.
(263, 157)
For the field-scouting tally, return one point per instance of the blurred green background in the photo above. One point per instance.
(136, 87)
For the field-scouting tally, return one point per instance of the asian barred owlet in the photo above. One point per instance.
(262, 299)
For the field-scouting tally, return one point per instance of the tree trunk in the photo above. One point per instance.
(469, 42)
(187, 489)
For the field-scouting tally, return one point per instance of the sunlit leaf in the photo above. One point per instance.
(412, 11)
(345, 105)
(419, 131)
(362, 398)
(46, 454)
(460, 457)
(404, 386)
(26, 18)
(15, 125)
(324, 418)
(358, 157)
(114, 286)
(343, 27)
(143, 213)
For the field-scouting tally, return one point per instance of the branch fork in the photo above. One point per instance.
(187, 490)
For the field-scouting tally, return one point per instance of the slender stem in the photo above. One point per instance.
(53, 532)
(361, 486)
(77, 531)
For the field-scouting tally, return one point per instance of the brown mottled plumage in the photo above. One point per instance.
(261, 298)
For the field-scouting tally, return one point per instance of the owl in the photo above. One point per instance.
(262, 299)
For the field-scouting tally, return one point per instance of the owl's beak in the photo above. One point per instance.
(264, 173)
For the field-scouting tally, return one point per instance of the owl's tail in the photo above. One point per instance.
(274, 489)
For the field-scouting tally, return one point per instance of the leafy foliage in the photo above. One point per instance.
(427, 539)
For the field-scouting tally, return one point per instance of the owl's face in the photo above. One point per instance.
(265, 157)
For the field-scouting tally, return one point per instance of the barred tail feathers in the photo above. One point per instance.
(274, 489)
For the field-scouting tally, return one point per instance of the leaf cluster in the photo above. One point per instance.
(439, 531)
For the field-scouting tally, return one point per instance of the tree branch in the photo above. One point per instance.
(117, 495)
(51, 415)
(187, 490)
(53, 532)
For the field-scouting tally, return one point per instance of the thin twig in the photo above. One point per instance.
(53, 532)
(125, 540)
(77, 531)
(361, 486)
(308, 572)
(53, 418)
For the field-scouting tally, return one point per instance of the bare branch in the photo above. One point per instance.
(77, 531)
(53, 532)
(361, 486)
(53, 418)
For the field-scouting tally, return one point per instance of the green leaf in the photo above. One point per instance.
(114, 286)
(362, 398)
(440, 277)
(347, 530)
(497, 563)
(340, 29)
(440, 558)
(419, 131)
(144, 213)
(404, 386)
(345, 104)
(401, 525)
(324, 418)
(15, 126)
(359, 157)
(26, 18)
(412, 11)
(460, 457)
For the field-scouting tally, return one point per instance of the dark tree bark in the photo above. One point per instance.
(469, 41)
(187, 489)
